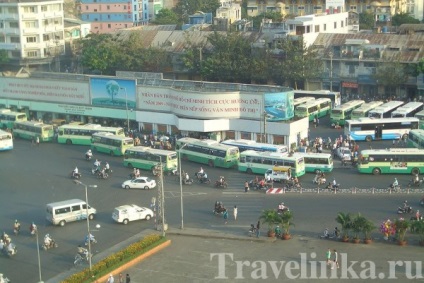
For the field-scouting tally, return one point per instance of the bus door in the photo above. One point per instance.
(378, 132)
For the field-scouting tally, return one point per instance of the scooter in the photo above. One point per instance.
(222, 184)
(252, 230)
(405, 210)
(188, 182)
(52, 245)
(92, 241)
(9, 250)
(319, 180)
(75, 176)
(394, 188)
(88, 157)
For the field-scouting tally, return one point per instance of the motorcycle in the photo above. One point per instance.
(319, 180)
(16, 230)
(92, 241)
(81, 258)
(52, 245)
(33, 229)
(9, 250)
(75, 176)
(394, 188)
(252, 230)
(102, 175)
(219, 208)
(88, 156)
(201, 179)
(222, 184)
(281, 211)
(405, 210)
(332, 187)
(188, 182)
(415, 182)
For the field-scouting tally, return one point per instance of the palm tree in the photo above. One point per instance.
(286, 221)
(270, 217)
(344, 219)
(418, 228)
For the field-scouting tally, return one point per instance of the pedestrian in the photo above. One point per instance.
(246, 186)
(235, 212)
(110, 279)
(37, 141)
(328, 256)
(335, 259)
(121, 278)
(127, 278)
(258, 228)
(226, 216)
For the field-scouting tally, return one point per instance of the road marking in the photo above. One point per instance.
(177, 194)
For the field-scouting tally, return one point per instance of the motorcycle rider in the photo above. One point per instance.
(334, 185)
(89, 237)
(203, 177)
(221, 180)
(33, 228)
(201, 172)
(395, 184)
(416, 179)
(97, 163)
(75, 172)
(48, 241)
(16, 227)
(281, 207)
(107, 168)
(82, 252)
(6, 239)
(187, 178)
(88, 154)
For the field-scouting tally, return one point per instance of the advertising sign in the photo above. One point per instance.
(279, 106)
(44, 90)
(114, 92)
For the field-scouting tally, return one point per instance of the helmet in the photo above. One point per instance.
(16, 220)
(47, 235)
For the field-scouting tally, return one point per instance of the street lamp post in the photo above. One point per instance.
(88, 218)
(126, 107)
(38, 255)
(162, 197)
(181, 186)
(331, 69)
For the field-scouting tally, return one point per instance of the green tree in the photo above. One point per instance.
(420, 66)
(274, 16)
(366, 20)
(185, 8)
(403, 18)
(391, 74)
(4, 58)
(166, 17)
(297, 64)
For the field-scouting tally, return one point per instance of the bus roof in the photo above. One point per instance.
(368, 106)
(266, 154)
(87, 126)
(32, 123)
(393, 151)
(419, 114)
(349, 105)
(312, 154)
(365, 120)
(4, 133)
(250, 142)
(206, 142)
(301, 100)
(65, 202)
(111, 136)
(387, 106)
(314, 102)
(151, 150)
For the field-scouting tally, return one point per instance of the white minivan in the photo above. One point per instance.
(58, 213)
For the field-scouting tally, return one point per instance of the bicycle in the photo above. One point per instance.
(79, 259)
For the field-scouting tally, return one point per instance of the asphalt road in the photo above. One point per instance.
(33, 176)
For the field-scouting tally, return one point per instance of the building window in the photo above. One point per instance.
(31, 24)
(44, 8)
(109, 25)
(125, 7)
(107, 7)
(335, 25)
(108, 16)
(46, 37)
(14, 24)
(325, 27)
(341, 23)
(15, 39)
(31, 39)
(1, 24)
(316, 28)
(86, 8)
(30, 9)
(12, 10)
(32, 54)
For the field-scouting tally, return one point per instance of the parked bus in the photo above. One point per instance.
(364, 109)
(208, 152)
(316, 162)
(420, 116)
(147, 158)
(416, 138)
(301, 100)
(6, 141)
(408, 110)
(254, 162)
(335, 97)
(393, 160)
(385, 110)
(341, 113)
(252, 145)
(81, 134)
(318, 108)
(8, 118)
(368, 129)
(111, 144)
(32, 129)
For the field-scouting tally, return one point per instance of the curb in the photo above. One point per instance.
(221, 236)
(134, 261)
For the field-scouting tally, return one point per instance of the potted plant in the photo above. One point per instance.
(418, 228)
(270, 217)
(401, 226)
(356, 226)
(367, 228)
(286, 221)
(344, 219)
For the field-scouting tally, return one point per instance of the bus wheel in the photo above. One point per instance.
(368, 138)
(249, 171)
(376, 171)
(415, 171)
(210, 163)
(68, 141)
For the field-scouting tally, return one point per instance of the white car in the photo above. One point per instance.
(344, 153)
(139, 183)
(131, 212)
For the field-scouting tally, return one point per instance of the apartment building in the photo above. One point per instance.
(32, 32)
(110, 15)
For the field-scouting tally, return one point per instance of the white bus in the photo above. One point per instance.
(316, 162)
(385, 110)
(110, 144)
(81, 134)
(6, 141)
(301, 100)
(252, 145)
(408, 110)
(368, 129)
(335, 97)
(364, 109)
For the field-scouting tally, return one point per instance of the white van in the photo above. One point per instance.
(58, 213)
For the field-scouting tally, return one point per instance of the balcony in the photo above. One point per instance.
(30, 30)
(53, 28)
(53, 14)
(9, 17)
(32, 45)
(11, 31)
(29, 16)
(10, 46)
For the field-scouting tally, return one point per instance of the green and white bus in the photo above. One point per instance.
(32, 129)
(393, 160)
(6, 141)
(8, 118)
(416, 138)
(110, 143)
(364, 109)
(254, 162)
(408, 110)
(147, 158)
(420, 116)
(208, 152)
(302, 100)
(317, 108)
(316, 162)
(81, 134)
(341, 113)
